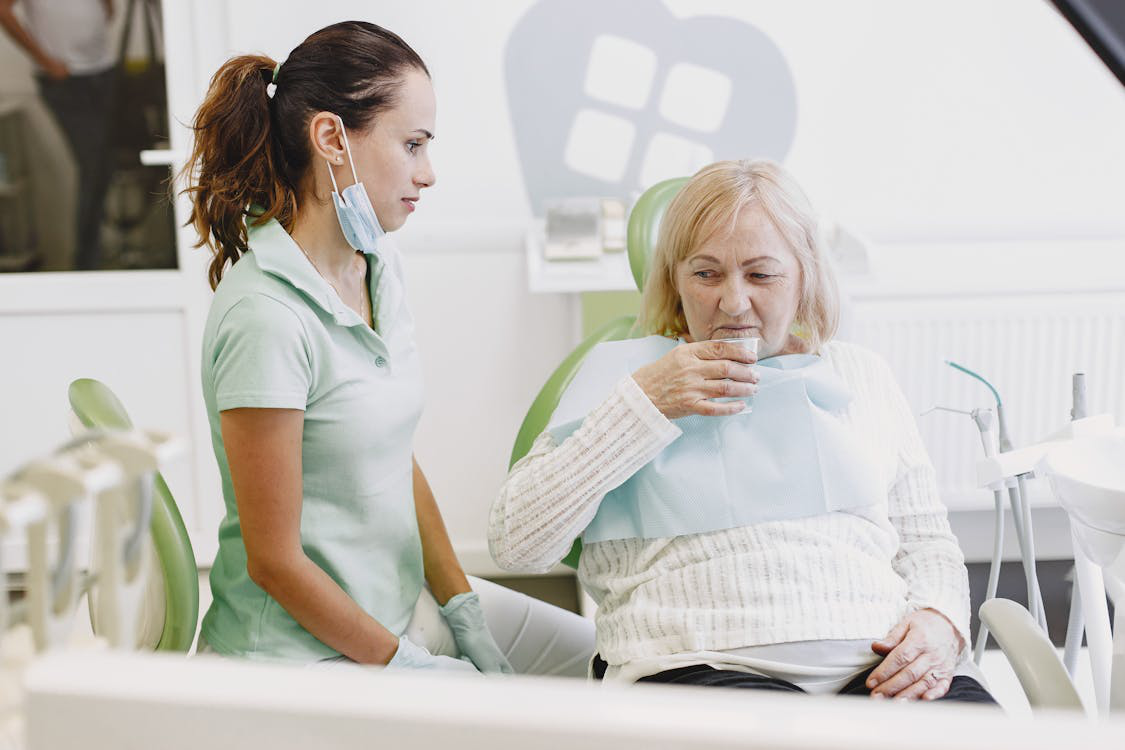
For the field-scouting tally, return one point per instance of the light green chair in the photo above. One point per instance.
(644, 227)
(96, 406)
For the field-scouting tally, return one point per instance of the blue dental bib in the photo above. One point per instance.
(791, 457)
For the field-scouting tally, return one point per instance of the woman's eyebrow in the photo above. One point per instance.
(427, 134)
(748, 262)
(760, 258)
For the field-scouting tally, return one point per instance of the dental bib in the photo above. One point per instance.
(791, 457)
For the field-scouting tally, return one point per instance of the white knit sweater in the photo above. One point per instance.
(842, 575)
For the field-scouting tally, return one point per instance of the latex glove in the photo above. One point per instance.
(921, 654)
(412, 656)
(466, 619)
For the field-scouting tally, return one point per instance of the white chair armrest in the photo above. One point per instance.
(1034, 660)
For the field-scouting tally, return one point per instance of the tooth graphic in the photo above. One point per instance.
(608, 99)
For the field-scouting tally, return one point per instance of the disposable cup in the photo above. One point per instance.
(750, 343)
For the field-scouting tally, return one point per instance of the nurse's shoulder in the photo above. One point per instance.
(250, 294)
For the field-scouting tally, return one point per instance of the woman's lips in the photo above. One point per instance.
(409, 203)
(736, 329)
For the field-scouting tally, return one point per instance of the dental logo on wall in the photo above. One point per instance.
(611, 99)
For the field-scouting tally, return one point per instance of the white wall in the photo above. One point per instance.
(917, 122)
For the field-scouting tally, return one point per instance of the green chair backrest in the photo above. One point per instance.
(96, 406)
(644, 227)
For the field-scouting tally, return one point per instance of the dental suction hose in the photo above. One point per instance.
(1076, 621)
(1021, 510)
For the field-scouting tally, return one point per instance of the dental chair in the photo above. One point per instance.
(1087, 476)
(171, 609)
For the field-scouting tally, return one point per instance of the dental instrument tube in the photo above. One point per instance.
(1021, 510)
(1022, 537)
(1005, 442)
(993, 572)
(983, 420)
(68, 540)
(1033, 582)
(1075, 627)
(1075, 624)
(134, 544)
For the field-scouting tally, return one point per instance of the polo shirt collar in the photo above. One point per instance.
(279, 255)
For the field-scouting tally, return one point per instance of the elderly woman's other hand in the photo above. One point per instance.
(684, 380)
(920, 655)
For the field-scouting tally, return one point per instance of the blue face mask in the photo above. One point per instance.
(354, 210)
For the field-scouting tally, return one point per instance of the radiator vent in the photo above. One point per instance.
(1027, 346)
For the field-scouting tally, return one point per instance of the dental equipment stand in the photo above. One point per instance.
(998, 471)
(1015, 488)
(47, 494)
(1019, 501)
(1006, 469)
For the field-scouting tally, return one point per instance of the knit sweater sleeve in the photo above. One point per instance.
(929, 558)
(552, 493)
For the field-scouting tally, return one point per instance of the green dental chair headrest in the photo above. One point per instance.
(644, 228)
(96, 406)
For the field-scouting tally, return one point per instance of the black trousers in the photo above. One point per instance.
(963, 689)
(81, 105)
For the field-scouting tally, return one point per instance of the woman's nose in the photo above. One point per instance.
(735, 298)
(425, 176)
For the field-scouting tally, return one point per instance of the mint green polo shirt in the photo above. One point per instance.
(279, 337)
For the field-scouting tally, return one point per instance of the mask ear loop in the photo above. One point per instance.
(331, 176)
(348, 148)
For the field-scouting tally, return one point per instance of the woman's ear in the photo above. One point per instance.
(326, 137)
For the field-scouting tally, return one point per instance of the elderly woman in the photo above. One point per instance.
(775, 526)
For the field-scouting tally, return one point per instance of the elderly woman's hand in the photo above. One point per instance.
(920, 655)
(684, 380)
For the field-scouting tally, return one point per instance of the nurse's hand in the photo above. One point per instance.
(921, 653)
(684, 380)
(466, 619)
(55, 69)
(412, 656)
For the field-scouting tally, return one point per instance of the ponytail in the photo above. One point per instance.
(232, 164)
(252, 150)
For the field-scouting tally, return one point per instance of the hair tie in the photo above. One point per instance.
(271, 84)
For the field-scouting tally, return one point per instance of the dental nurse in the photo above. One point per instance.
(311, 376)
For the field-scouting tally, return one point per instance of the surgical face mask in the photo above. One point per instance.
(354, 210)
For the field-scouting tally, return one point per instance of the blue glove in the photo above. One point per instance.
(412, 656)
(466, 619)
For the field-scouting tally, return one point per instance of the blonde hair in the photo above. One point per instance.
(711, 202)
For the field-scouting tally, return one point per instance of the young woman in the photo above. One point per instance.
(311, 376)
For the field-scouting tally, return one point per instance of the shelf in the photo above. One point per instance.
(609, 273)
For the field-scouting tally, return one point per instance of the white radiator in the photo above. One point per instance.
(1027, 346)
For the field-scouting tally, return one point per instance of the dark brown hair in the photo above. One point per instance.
(252, 149)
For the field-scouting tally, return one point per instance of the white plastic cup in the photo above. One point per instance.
(750, 343)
